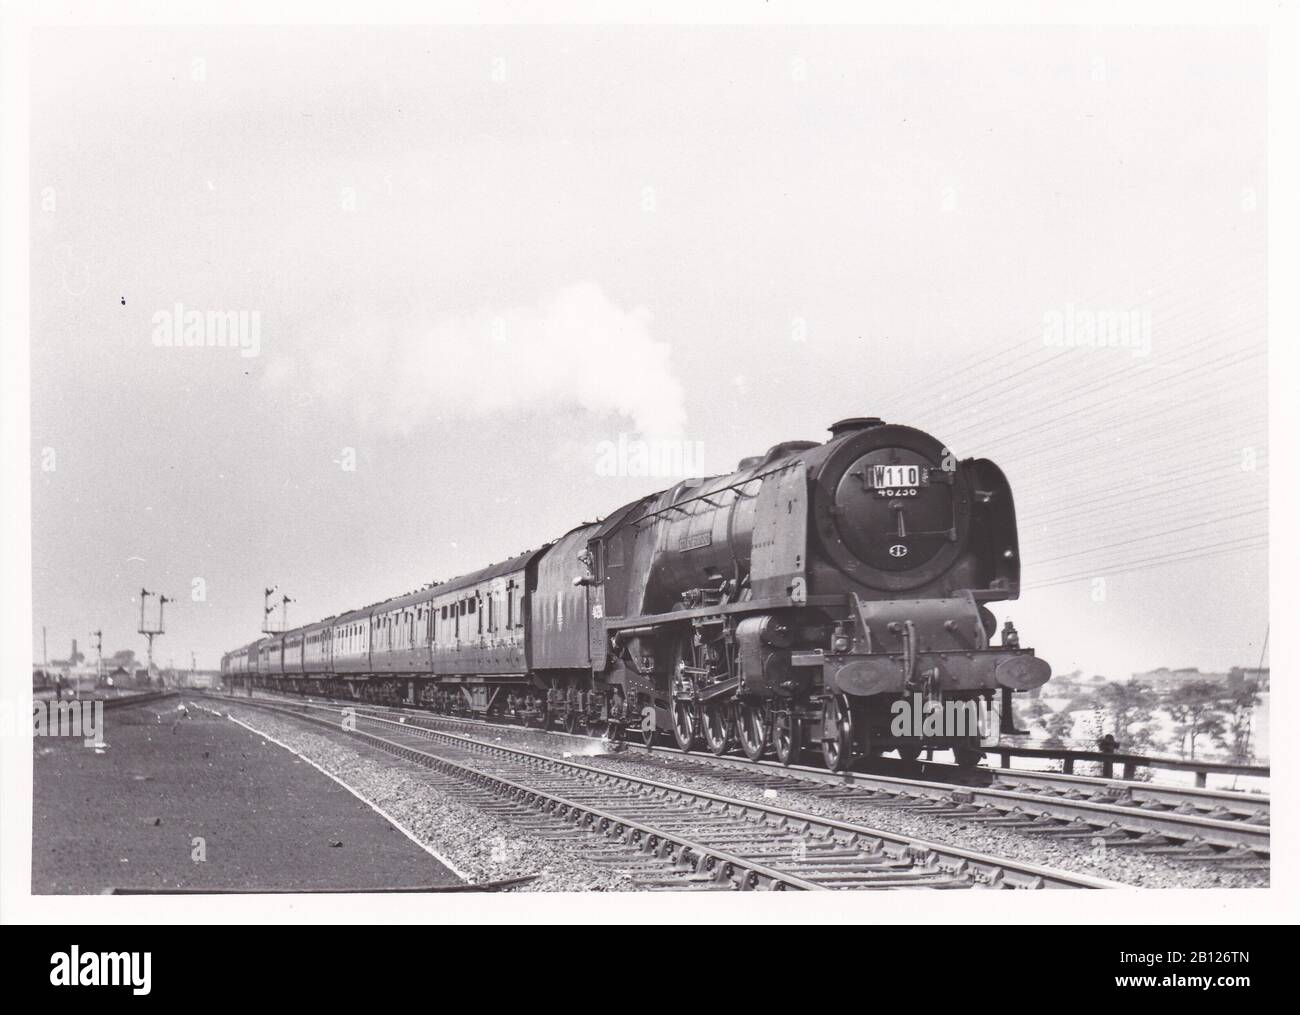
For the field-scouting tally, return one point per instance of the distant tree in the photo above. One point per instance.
(1142, 740)
(1037, 709)
(1060, 726)
(1197, 709)
(1241, 711)
(1129, 706)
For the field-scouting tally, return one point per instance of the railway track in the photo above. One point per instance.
(669, 837)
(137, 699)
(1198, 825)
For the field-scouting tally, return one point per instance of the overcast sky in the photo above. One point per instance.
(478, 253)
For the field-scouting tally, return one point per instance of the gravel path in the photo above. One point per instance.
(483, 846)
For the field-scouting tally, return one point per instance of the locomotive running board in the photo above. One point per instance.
(747, 606)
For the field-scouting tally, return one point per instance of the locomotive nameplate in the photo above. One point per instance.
(696, 541)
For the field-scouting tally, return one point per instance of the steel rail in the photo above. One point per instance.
(578, 813)
(1213, 815)
(1115, 805)
(978, 869)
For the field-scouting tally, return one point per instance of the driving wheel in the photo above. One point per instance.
(751, 727)
(648, 730)
(684, 724)
(787, 736)
(717, 727)
(837, 729)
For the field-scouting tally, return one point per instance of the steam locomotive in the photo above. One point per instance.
(828, 596)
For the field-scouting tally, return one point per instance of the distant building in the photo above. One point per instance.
(80, 675)
(75, 658)
(1165, 679)
(1238, 675)
(199, 680)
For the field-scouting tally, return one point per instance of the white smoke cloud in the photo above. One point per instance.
(576, 349)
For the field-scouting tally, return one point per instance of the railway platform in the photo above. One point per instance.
(179, 800)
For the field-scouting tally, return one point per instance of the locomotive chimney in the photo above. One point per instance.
(854, 423)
